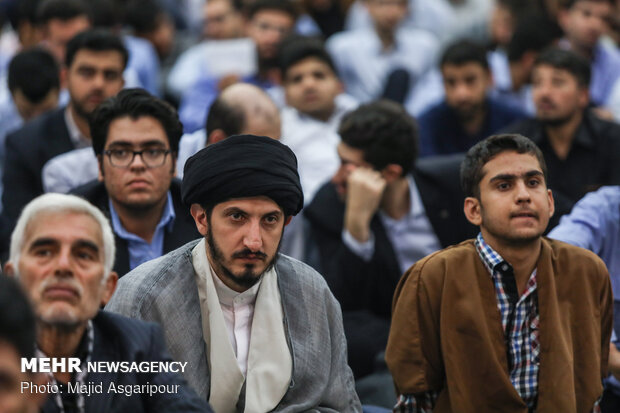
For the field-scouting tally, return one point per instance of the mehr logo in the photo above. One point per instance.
(51, 365)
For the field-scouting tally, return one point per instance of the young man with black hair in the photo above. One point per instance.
(467, 114)
(581, 151)
(377, 216)
(509, 321)
(136, 141)
(94, 62)
(314, 107)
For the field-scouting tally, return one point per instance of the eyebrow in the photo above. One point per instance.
(80, 243)
(510, 177)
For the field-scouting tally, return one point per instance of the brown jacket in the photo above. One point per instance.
(447, 335)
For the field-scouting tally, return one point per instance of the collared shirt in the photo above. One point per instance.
(78, 138)
(141, 251)
(364, 65)
(238, 312)
(412, 236)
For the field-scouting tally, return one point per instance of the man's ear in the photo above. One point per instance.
(109, 288)
(288, 220)
(216, 136)
(392, 172)
(551, 203)
(471, 208)
(200, 218)
(100, 171)
(9, 269)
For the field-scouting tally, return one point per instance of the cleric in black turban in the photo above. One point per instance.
(243, 166)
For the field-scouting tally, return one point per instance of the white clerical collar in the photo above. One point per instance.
(228, 296)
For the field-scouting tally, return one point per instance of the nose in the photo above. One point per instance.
(253, 239)
(523, 193)
(137, 162)
(63, 263)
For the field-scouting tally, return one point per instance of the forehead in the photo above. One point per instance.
(548, 71)
(510, 163)
(465, 69)
(63, 227)
(259, 204)
(105, 59)
(273, 16)
(310, 64)
(143, 130)
(220, 6)
(598, 5)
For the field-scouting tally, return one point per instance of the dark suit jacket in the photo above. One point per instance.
(118, 338)
(183, 229)
(365, 289)
(27, 151)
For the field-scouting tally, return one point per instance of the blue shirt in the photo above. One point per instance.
(441, 132)
(141, 251)
(594, 224)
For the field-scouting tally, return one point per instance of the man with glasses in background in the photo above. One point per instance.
(136, 139)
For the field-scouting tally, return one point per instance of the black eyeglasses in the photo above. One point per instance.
(122, 158)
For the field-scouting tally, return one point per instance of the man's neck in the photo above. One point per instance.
(324, 115)
(561, 136)
(60, 343)
(140, 222)
(523, 258)
(80, 122)
(517, 77)
(396, 200)
(473, 124)
(587, 52)
(387, 38)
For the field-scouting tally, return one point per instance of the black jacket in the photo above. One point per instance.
(27, 151)
(183, 230)
(118, 338)
(365, 289)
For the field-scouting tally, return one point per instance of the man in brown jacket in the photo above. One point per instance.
(509, 321)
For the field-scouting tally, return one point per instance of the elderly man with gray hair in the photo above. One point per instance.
(62, 253)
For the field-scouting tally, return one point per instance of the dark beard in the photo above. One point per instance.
(248, 278)
(554, 123)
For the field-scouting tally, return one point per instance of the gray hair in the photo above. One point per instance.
(60, 203)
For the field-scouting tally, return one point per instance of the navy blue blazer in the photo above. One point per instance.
(119, 338)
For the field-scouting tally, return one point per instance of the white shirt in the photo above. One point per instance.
(314, 143)
(238, 312)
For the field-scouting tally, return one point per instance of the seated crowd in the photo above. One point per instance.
(327, 205)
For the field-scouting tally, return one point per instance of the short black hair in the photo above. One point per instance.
(134, 103)
(284, 6)
(96, 40)
(295, 48)
(463, 52)
(534, 33)
(17, 320)
(384, 131)
(144, 16)
(19, 11)
(487, 149)
(35, 73)
(107, 13)
(225, 116)
(62, 10)
(567, 60)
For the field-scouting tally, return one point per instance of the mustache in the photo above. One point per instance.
(547, 101)
(56, 282)
(247, 253)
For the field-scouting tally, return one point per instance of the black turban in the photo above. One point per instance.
(243, 166)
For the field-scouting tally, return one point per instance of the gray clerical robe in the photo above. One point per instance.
(164, 291)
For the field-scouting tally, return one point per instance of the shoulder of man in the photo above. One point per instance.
(160, 281)
(42, 127)
(575, 259)
(326, 210)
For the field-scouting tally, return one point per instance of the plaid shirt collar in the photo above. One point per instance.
(489, 256)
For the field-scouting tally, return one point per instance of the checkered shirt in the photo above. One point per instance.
(520, 321)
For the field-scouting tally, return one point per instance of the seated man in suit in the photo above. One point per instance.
(62, 251)
(136, 140)
(377, 217)
(17, 338)
(94, 61)
(260, 331)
